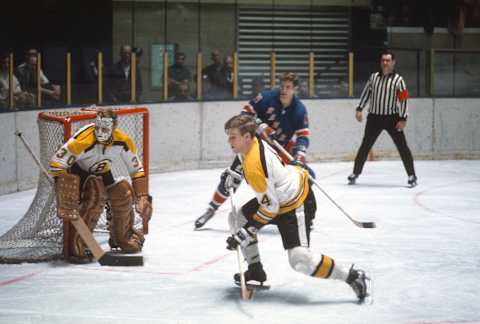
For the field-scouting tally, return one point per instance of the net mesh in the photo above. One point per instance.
(38, 235)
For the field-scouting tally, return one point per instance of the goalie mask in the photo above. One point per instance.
(104, 126)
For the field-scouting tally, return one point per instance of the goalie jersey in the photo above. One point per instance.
(279, 188)
(290, 123)
(95, 158)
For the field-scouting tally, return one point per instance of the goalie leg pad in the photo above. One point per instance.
(121, 229)
(93, 203)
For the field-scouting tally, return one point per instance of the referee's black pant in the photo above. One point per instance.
(375, 125)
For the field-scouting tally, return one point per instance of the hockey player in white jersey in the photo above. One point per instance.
(84, 183)
(283, 198)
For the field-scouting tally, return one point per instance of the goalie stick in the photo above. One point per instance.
(289, 158)
(245, 292)
(104, 258)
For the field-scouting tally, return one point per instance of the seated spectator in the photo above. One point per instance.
(27, 76)
(183, 93)
(20, 98)
(119, 78)
(178, 74)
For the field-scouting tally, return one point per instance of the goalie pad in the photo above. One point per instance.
(122, 232)
(67, 191)
(93, 202)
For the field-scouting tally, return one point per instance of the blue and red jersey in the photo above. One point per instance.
(290, 123)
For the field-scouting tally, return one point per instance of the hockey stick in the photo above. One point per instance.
(104, 258)
(245, 293)
(289, 158)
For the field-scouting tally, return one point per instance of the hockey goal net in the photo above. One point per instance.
(40, 235)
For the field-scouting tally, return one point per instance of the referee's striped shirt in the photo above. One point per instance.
(387, 94)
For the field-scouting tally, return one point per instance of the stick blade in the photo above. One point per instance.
(369, 225)
(247, 295)
(119, 260)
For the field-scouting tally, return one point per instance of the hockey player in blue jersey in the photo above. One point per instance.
(282, 117)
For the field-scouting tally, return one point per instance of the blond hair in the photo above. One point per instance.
(244, 123)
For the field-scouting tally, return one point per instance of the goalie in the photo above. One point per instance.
(84, 183)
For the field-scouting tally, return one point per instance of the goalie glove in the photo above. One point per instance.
(143, 206)
(243, 238)
(67, 191)
(143, 201)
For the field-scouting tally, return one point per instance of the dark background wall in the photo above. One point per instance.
(54, 27)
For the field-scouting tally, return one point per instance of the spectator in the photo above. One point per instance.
(120, 78)
(178, 76)
(183, 92)
(212, 77)
(257, 85)
(227, 76)
(27, 76)
(21, 98)
(303, 89)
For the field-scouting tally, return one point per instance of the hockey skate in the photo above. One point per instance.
(202, 220)
(352, 179)
(255, 277)
(412, 181)
(360, 283)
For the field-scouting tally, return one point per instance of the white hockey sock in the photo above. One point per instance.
(302, 260)
(251, 253)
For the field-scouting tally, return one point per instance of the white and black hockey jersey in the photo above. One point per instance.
(279, 188)
(96, 158)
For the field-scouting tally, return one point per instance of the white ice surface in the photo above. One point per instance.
(424, 257)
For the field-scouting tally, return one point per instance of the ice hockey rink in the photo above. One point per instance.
(423, 257)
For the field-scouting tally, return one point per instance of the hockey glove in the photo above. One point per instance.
(299, 152)
(243, 238)
(265, 132)
(143, 206)
(230, 179)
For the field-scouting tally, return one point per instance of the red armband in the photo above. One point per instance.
(403, 95)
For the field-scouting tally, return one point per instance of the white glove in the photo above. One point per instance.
(231, 179)
(265, 131)
(243, 238)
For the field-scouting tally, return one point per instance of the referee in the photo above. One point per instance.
(388, 96)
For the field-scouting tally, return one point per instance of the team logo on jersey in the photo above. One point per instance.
(100, 167)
